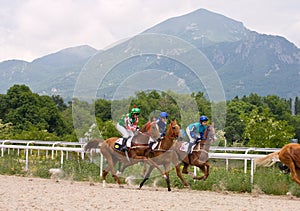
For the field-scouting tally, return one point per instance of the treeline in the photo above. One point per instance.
(248, 121)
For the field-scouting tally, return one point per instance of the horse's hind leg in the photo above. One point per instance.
(185, 168)
(104, 174)
(205, 169)
(110, 167)
(177, 167)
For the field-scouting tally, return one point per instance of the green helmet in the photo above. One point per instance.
(135, 111)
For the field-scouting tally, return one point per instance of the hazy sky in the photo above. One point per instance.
(30, 29)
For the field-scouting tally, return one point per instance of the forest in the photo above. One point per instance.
(256, 121)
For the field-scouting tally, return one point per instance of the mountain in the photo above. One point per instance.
(52, 74)
(246, 61)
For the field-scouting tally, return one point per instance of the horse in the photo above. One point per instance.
(161, 154)
(289, 155)
(198, 157)
(139, 151)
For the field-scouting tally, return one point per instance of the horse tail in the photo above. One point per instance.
(268, 160)
(94, 144)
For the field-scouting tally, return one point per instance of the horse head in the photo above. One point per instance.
(151, 129)
(174, 130)
(208, 137)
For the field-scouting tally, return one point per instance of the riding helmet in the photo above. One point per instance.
(164, 114)
(135, 110)
(203, 119)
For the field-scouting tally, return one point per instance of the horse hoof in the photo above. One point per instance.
(165, 176)
(187, 187)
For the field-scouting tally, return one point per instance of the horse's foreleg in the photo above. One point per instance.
(294, 175)
(147, 175)
(144, 170)
(152, 163)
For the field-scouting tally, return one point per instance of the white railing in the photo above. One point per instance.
(56, 146)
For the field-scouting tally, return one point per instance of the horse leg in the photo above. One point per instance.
(177, 167)
(144, 170)
(110, 166)
(294, 174)
(152, 163)
(104, 174)
(147, 175)
(205, 169)
(185, 168)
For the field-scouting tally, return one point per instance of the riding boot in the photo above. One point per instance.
(190, 148)
(124, 146)
(150, 146)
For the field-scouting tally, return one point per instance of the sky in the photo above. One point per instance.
(30, 29)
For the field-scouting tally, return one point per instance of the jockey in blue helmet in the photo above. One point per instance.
(162, 123)
(195, 131)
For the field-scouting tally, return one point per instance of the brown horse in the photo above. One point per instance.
(199, 156)
(289, 155)
(139, 151)
(162, 155)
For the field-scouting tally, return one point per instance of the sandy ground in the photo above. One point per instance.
(23, 193)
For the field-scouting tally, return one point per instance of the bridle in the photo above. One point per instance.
(173, 130)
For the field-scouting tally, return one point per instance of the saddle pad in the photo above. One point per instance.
(184, 147)
(118, 144)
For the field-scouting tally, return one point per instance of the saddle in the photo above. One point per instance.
(139, 140)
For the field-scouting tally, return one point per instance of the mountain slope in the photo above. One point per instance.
(246, 61)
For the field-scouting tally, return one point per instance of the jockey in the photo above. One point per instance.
(162, 123)
(126, 125)
(195, 132)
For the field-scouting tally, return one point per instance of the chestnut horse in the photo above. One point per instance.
(289, 155)
(139, 151)
(199, 156)
(161, 154)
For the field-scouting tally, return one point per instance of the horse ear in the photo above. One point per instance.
(213, 124)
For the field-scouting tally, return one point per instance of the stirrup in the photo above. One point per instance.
(124, 148)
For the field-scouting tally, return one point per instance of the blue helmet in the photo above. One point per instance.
(203, 119)
(164, 114)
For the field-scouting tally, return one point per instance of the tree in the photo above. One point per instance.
(234, 126)
(5, 129)
(27, 110)
(103, 109)
(262, 130)
(297, 106)
(59, 102)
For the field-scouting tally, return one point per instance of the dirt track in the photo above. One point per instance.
(21, 193)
